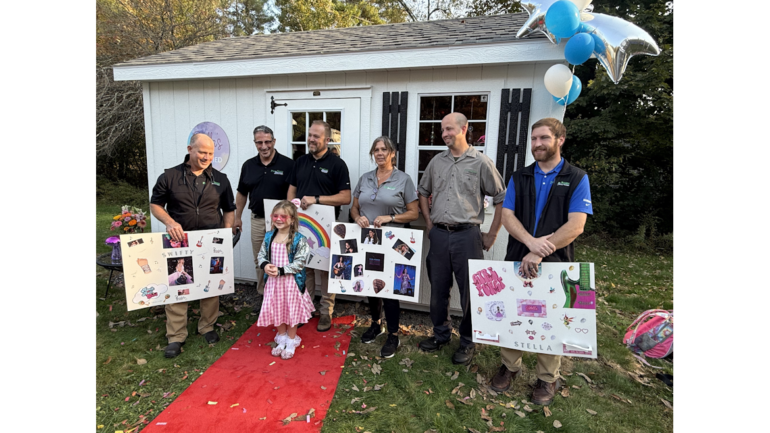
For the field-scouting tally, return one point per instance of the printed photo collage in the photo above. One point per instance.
(381, 262)
(160, 270)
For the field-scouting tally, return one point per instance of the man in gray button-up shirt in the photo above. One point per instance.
(458, 179)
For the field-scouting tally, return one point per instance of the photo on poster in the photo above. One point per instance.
(170, 243)
(180, 271)
(402, 248)
(359, 286)
(370, 236)
(217, 240)
(375, 262)
(342, 268)
(403, 280)
(358, 270)
(135, 242)
(348, 246)
(217, 265)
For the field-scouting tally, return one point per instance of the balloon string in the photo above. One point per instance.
(564, 113)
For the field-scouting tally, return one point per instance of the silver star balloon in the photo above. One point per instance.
(536, 20)
(617, 41)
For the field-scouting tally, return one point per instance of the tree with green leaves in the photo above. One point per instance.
(622, 134)
(304, 15)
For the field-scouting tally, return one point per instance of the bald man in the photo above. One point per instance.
(458, 179)
(192, 196)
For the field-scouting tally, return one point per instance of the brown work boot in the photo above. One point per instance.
(544, 392)
(502, 380)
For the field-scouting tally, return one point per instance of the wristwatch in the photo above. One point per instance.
(392, 218)
(318, 199)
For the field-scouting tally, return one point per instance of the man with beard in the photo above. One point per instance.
(265, 176)
(320, 177)
(192, 196)
(545, 209)
(458, 179)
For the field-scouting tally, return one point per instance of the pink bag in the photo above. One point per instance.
(651, 334)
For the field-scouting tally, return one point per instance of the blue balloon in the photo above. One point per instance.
(579, 48)
(562, 19)
(573, 94)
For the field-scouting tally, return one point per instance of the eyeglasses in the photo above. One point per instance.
(374, 195)
(260, 143)
(277, 217)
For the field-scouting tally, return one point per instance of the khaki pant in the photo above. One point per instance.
(176, 319)
(312, 276)
(257, 236)
(547, 365)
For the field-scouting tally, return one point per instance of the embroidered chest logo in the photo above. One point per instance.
(324, 170)
(562, 184)
(278, 172)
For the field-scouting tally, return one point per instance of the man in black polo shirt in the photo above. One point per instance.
(192, 196)
(265, 176)
(320, 177)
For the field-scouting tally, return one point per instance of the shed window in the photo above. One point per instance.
(433, 108)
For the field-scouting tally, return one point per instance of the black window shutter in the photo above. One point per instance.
(514, 130)
(394, 106)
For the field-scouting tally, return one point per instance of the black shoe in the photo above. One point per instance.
(431, 344)
(174, 349)
(372, 333)
(390, 347)
(211, 337)
(464, 355)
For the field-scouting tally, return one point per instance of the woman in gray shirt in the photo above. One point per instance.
(384, 196)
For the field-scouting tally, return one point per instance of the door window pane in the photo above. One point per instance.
(472, 106)
(301, 122)
(435, 107)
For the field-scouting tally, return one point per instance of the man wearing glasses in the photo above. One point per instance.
(320, 177)
(265, 176)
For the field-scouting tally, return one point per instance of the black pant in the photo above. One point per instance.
(392, 312)
(449, 254)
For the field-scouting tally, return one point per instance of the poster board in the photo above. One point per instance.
(159, 271)
(383, 262)
(316, 224)
(553, 313)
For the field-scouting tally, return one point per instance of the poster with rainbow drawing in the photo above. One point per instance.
(159, 270)
(552, 313)
(316, 224)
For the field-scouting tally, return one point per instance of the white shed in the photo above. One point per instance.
(395, 79)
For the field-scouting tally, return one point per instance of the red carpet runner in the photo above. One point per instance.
(260, 390)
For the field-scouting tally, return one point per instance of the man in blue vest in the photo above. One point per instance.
(545, 209)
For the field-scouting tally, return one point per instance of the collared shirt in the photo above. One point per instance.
(326, 176)
(389, 198)
(580, 201)
(259, 181)
(459, 187)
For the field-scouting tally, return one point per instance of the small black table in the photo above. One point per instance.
(105, 261)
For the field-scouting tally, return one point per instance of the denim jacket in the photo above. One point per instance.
(298, 254)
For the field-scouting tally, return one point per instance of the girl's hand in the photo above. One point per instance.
(362, 221)
(271, 270)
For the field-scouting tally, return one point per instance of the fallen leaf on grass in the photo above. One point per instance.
(355, 388)
(378, 387)
(519, 413)
(449, 404)
(108, 360)
(565, 392)
(473, 393)
(367, 388)
(588, 379)
(376, 369)
(667, 404)
(490, 406)
(407, 362)
(480, 379)
(141, 361)
(575, 387)
(429, 391)
(556, 424)
(355, 400)
(473, 430)
(527, 408)
(454, 376)
(457, 388)
(592, 412)
(493, 428)
(546, 411)
(288, 419)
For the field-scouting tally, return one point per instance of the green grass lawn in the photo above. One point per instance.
(624, 395)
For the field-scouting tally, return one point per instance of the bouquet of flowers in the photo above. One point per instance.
(130, 220)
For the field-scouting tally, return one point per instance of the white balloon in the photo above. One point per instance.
(581, 4)
(558, 80)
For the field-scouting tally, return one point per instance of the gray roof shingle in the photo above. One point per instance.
(461, 31)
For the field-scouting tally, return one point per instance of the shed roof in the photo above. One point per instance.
(442, 33)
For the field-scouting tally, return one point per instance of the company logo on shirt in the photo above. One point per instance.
(278, 172)
(469, 171)
(562, 184)
(324, 170)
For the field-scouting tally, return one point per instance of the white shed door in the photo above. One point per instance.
(291, 123)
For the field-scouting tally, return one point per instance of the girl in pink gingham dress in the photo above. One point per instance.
(286, 303)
